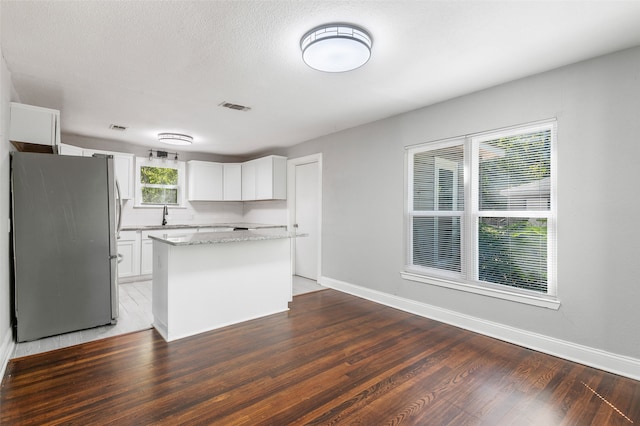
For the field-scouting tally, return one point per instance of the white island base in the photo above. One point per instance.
(202, 286)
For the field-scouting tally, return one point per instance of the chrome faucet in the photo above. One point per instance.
(165, 212)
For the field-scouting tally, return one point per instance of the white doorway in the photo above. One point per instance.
(305, 213)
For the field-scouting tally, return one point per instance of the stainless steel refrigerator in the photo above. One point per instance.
(64, 243)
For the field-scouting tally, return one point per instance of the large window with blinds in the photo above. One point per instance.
(481, 210)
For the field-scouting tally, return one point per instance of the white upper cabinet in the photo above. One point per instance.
(265, 178)
(204, 180)
(64, 149)
(122, 165)
(232, 181)
(34, 125)
(260, 179)
(249, 180)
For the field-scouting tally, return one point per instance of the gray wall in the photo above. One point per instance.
(597, 104)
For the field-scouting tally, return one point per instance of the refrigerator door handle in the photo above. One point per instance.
(119, 225)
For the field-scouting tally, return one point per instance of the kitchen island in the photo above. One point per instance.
(207, 280)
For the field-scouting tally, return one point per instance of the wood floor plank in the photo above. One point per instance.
(332, 359)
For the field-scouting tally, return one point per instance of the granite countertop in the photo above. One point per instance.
(226, 237)
(193, 226)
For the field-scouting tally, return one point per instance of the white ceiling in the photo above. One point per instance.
(165, 66)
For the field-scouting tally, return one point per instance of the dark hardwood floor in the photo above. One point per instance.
(332, 359)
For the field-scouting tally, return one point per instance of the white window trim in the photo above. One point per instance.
(179, 165)
(487, 290)
(457, 281)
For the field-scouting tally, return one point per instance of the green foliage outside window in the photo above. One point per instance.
(526, 159)
(513, 252)
(159, 196)
(159, 185)
(158, 175)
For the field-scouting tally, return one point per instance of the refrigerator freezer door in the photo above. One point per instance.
(62, 232)
(115, 214)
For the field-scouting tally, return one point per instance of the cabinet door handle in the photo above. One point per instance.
(119, 224)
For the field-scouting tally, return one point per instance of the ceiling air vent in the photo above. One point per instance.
(234, 106)
(118, 127)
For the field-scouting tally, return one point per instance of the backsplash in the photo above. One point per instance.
(272, 212)
(193, 213)
(206, 212)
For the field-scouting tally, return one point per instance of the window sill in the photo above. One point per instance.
(157, 206)
(544, 302)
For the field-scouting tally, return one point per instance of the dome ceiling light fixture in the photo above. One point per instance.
(336, 47)
(175, 139)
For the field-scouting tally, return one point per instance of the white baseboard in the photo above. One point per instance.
(607, 361)
(6, 350)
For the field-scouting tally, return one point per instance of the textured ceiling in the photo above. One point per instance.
(165, 66)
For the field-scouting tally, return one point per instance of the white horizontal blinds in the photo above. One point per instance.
(514, 199)
(515, 172)
(438, 205)
(513, 252)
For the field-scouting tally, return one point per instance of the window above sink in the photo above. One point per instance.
(159, 182)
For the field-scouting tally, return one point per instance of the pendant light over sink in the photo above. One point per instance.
(336, 47)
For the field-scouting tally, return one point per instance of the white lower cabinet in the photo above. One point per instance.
(146, 256)
(136, 248)
(146, 246)
(128, 254)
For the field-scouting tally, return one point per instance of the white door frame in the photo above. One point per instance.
(291, 201)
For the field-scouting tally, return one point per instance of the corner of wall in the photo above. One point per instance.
(6, 334)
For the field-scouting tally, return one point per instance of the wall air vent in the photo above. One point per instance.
(118, 127)
(234, 106)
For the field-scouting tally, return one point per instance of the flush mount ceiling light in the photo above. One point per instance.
(336, 47)
(175, 138)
